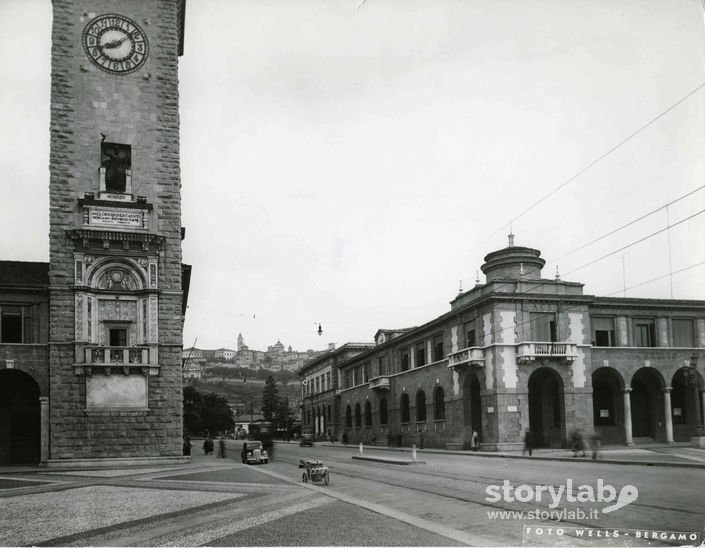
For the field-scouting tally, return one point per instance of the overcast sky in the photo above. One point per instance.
(350, 166)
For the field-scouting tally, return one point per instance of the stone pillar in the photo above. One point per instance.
(628, 416)
(668, 413)
(44, 430)
(702, 397)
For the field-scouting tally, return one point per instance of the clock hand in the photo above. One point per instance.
(113, 44)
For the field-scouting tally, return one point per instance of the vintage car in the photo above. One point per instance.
(306, 439)
(254, 453)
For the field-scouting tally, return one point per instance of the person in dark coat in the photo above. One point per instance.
(187, 446)
(475, 442)
(208, 445)
(528, 442)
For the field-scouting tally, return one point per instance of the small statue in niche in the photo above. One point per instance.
(116, 159)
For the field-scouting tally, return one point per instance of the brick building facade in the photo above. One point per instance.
(522, 353)
(115, 288)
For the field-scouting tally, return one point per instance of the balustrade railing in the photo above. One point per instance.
(467, 356)
(117, 355)
(529, 351)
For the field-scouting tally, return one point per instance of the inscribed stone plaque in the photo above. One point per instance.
(116, 217)
(116, 391)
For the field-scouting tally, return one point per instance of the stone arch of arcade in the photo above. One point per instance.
(608, 405)
(547, 408)
(648, 407)
(20, 419)
(472, 406)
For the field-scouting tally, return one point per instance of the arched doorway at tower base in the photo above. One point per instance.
(20, 418)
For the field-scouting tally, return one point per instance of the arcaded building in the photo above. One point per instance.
(91, 347)
(524, 353)
(319, 387)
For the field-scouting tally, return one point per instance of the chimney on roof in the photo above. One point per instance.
(331, 346)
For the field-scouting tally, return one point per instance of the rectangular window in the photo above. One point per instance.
(366, 373)
(438, 353)
(381, 367)
(11, 324)
(420, 354)
(683, 333)
(470, 337)
(543, 326)
(644, 332)
(603, 331)
(405, 359)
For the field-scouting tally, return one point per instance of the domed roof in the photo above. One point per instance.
(278, 345)
(513, 263)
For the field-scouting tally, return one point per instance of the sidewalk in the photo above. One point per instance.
(653, 454)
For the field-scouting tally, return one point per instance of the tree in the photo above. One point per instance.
(193, 403)
(210, 412)
(285, 417)
(270, 399)
(216, 415)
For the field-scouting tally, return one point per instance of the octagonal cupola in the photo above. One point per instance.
(513, 263)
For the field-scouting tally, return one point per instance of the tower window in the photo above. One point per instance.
(118, 337)
(117, 160)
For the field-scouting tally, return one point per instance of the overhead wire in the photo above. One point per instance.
(569, 180)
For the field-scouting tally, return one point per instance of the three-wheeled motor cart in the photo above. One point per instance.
(314, 471)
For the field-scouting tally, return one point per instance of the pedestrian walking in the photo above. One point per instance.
(595, 443)
(528, 443)
(577, 443)
(221, 447)
(475, 441)
(208, 445)
(187, 446)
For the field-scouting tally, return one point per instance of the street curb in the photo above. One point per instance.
(521, 457)
(387, 460)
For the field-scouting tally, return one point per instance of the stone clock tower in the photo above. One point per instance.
(115, 274)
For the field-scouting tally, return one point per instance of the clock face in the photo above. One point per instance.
(115, 44)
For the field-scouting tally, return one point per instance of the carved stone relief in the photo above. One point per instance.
(79, 317)
(117, 278)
